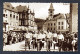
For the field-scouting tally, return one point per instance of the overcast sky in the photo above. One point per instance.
(41, 9)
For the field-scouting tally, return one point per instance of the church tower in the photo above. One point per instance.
(51, 12)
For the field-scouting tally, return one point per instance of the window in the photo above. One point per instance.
(54, 28)
(62, 27)
(3, 15)
(58, 23)
(62, 23)
(51, 28)
(58, 27)
(6, 15)
(47, 29)
(13, 16)
(54, 24)
(16, 17)
(51, 11)
(51, 24)
(10, 15)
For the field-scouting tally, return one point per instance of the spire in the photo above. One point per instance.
(51, 6)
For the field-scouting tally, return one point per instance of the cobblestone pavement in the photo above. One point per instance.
(21, 47)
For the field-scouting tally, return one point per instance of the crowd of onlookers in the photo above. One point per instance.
(65, 41)
(12, 37)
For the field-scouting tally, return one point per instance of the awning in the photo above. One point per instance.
(5, 23)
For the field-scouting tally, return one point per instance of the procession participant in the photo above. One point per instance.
(27, 41)
(43, 38)
(34, 40)
(30, 38)
(60, 40)
(48, 41)
(38, 41)
(54, 36)
(74, 41)
(73, 44)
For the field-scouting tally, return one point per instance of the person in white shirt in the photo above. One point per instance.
(38, 41)
(54, 37)
(48, 41)
(34, 39)
(43, 39)
(73, 44)
(27, 41)
(60, 40)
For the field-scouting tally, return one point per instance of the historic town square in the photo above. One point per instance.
(40, 27)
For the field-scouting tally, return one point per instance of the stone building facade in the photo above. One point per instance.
(55, 22)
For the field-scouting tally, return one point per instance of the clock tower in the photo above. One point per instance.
(51, 12)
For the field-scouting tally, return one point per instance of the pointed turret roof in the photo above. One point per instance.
(51, 6)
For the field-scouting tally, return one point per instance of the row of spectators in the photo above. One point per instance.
(12, 37)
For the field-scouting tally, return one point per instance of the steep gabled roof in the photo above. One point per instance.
(21, 8)
(9, 6)
(57, 16)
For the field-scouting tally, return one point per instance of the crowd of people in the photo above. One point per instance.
(12, 37)
(42, 39)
